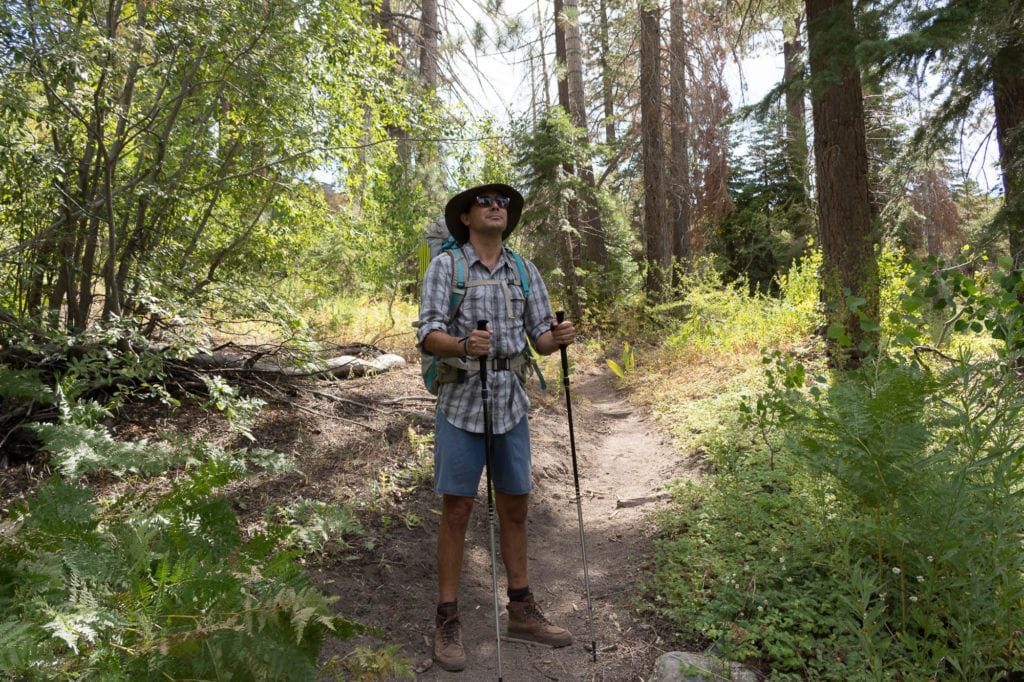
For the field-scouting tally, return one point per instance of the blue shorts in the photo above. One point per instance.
(459, 459)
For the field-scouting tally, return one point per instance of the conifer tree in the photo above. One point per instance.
(849, 269)
(978, 47)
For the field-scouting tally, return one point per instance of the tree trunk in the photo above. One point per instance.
(849, 269)
(544, 61)
(679, 167)
(607, 92)
(572, 208)
(1008, 88)
(560, 56)
(796, 130)
(590, 225)
(429, 54)
(656, 234)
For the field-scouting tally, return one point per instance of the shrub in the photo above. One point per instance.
(727, 317)
(874, 529)
(134, 589)
(142, 587)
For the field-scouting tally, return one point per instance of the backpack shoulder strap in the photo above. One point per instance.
(524, 282)
(458, 293)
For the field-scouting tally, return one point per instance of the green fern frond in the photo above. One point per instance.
(80, 450)
(24, 384)
(19, 645)
(316, 524)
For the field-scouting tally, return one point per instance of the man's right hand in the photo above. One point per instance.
(479, 343)
(444, 345)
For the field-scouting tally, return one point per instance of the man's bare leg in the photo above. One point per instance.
(451, 541)
(512, 511)
(525, 620)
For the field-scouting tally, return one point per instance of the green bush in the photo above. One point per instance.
(874, 529)
(151, 586)
(727, 317)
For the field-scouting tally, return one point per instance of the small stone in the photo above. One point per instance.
(424, 665)
(684, 666)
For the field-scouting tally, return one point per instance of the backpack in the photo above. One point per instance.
(437, 371)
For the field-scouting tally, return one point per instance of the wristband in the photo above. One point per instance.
(465, 346)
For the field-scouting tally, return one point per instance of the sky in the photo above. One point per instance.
(499, 81)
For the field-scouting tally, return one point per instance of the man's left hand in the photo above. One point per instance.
(563, 333)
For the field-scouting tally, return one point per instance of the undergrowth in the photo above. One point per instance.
(159, 581)
(865, 525)
(726, 317)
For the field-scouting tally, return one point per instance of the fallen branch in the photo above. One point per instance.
(639, 501)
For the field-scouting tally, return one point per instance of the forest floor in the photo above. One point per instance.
(365, 444)
(624, 464)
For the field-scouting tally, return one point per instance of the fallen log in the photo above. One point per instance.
(342, 367)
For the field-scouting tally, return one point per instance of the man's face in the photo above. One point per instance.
(488, 213)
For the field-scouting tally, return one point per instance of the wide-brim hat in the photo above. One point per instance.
(460, 203)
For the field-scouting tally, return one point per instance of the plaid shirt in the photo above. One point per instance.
(462, 403)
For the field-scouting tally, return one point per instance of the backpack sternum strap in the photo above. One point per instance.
(460, 285)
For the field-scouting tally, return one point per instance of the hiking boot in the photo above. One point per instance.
(448, 651)
(526, 622)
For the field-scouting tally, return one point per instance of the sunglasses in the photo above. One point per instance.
(485, 201)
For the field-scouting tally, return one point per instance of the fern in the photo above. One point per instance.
(920, 487)
(315, 525)
(24, 384)
(81, 450)
(19, 645)
(869, 432)
(138, 589)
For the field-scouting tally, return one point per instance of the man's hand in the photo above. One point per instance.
(479, 343)
(561, 334)
(444, 345)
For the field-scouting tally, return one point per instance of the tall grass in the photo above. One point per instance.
(382, 323)
(728, 318)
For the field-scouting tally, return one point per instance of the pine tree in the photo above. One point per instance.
(978, 47)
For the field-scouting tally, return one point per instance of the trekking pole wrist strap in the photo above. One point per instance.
(465, 346)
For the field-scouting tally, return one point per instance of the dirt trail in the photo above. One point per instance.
(621, 456)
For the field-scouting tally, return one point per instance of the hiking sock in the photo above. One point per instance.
(519, 594)
(443, 606)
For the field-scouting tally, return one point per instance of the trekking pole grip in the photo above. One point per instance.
(560, 318)
(482, 326)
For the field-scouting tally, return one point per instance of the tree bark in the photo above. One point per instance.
(849, 268)
(656, 234)
(607, 80)
(1008, 90)
(429, 54)
(590, 225)
(796, 129)
(544, 62)
(572, 209)
(679, 168)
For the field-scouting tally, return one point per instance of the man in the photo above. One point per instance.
(480, 219)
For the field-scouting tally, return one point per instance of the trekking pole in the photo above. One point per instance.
(560, 316)
(488, 454)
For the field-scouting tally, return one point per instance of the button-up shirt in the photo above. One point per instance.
(511, 316)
